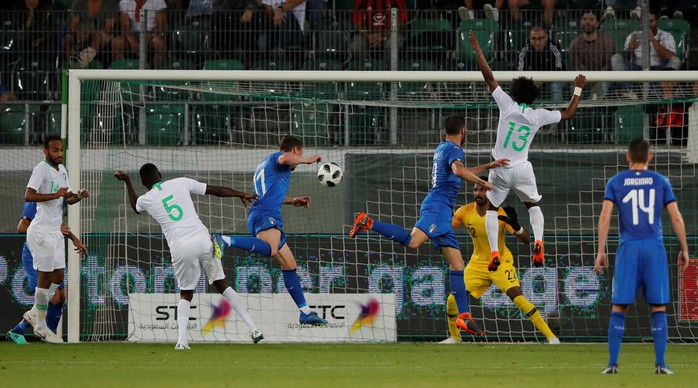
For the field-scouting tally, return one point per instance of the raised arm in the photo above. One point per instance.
(680, 231)
(293, 159)
(471, 174)
(568, 113)
(482, 62)
(220, 191)
(132, 197)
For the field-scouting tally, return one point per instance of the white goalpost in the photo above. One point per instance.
(381, 127)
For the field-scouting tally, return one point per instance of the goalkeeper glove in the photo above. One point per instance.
(511, 218)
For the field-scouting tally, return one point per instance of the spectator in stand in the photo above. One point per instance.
(662, 50)
(89, 30)
(592, 51)
(288, 18)
(491, 12)
(6, 95)
(371, 20)
(235, 24)
(130, 23)
(33, 19)
(662, 53)
(548, 10)
(540, 54)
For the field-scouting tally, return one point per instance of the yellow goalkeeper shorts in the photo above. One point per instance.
(478, 279)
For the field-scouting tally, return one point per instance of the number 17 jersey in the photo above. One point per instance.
(170, 204)
(640, 196)
(518, 124)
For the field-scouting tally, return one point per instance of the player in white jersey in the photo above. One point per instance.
(50, 188)
(518, 124)
(170, 204)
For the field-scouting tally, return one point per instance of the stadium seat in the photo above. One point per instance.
(588, 126)
(213, 123)
(319, 89)
(190, 38)
(430, 34)
(34, 78)
(275, 63)
(331, 39)
(176, 64)
(619, 37)
(53, 119)
(364, 124)
(224, 64)
(621, 24)
(126, 64)
(164, 124)
(484, 31)
(629, 123)
(309, 121)
(13, 125)
(413, 88)
(367, 65)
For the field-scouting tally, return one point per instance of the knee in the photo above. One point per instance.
(118, 44)
(158, 43)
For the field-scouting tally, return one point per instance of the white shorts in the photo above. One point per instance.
(190, 256)
(519, 178)
(47, 249)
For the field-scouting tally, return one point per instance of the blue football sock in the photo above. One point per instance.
(293, 285)
(458, 291)
(20, 328)
(252, 244)
(394, 232)
(53, 315)
(616, 327)
(659, 331)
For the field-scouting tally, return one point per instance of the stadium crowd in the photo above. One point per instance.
(42, 37)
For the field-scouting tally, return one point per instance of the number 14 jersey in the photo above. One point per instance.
(170, 204)
(518, 124)
(640, 196)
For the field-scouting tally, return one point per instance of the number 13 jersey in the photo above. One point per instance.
(518, 124)
(170, 204)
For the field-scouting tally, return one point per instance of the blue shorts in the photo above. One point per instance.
(32, 274)
(260, 221)
(641, 265)
(437, 226)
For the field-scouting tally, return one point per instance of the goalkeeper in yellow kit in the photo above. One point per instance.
(481, 273)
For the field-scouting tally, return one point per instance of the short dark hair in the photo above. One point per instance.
(149, 172)
(289, 142)
(50, 138)
(639, 150)
(593, 12)
(523, 90)
(454, 124)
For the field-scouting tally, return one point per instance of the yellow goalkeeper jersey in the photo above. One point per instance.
(475, 224)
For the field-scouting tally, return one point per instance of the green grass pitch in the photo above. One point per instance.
(337, 365)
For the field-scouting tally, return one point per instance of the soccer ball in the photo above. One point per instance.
(329, 174)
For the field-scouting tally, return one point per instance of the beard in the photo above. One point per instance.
(588, 30)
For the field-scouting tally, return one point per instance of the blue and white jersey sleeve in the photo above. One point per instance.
(29, 211)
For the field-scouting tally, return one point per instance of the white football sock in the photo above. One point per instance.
(235, 301)
(492, 226)
(183, 320)
(537, 222)
(42, 298)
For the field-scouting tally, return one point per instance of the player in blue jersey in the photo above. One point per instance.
(271, 181)
(55, 306)
(436, 213)
(641, 260)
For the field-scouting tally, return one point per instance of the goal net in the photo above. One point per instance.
(381, 127)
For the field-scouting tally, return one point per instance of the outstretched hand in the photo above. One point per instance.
(511, 218)
(122, 176)
(580, 81)
(303, 201)
(248, 198)
(499, 163)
